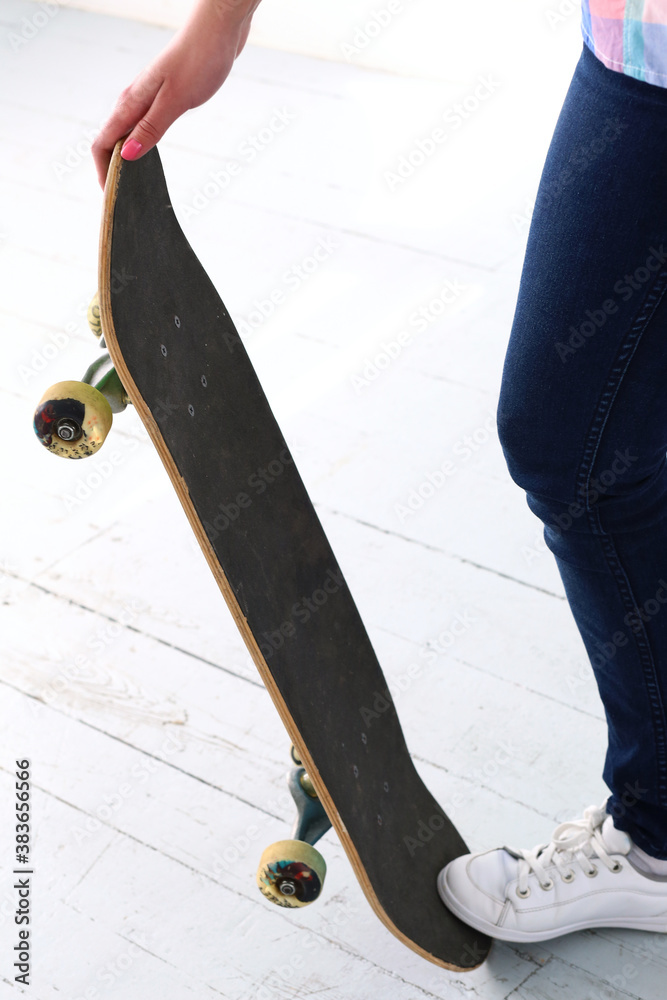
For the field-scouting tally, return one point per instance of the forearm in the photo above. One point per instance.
(192, 67)
(221, 17)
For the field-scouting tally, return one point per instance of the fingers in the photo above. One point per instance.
(101, 158)
(188, 72)
(154, 123)
(117, 125)
(142, 114)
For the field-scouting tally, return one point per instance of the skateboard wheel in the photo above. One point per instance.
(72, 419)
(94, 318)
(291, 873)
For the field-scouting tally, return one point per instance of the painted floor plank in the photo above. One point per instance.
(162, 884)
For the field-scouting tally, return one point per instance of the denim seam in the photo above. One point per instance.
(650, 846)
(591, 449)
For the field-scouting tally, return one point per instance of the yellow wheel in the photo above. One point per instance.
(291, 873)
(94, 319)
(72, 419)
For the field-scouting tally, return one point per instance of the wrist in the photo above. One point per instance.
(237, 9)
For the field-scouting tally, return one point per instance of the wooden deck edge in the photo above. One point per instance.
(108, 330)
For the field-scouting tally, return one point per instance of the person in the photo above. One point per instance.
(191, 68)
(582, 419)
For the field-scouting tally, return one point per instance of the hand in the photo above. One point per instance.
(187, 73)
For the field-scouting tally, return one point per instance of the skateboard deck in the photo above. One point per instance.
(185, 369)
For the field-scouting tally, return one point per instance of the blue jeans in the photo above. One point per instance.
(583, 411)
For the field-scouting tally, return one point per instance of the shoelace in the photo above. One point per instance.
(574, 841)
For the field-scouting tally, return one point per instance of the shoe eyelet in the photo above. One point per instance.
(617, 867)
(523, 895)
(592, 873)
(549, 884)
(568, 876)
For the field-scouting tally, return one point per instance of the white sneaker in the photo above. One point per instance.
(583, 878)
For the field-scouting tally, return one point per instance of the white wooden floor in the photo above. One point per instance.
(158, 760)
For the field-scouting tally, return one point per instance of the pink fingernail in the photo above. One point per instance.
(131, 149)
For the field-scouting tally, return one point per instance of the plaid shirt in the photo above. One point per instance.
(629, 36)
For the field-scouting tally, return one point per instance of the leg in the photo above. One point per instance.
(583, 423)
(583, 411)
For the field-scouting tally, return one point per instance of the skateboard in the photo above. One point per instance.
(176, 355)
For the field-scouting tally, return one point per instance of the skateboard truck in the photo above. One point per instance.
(170, 335)
(73, 419)
(291, 872)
